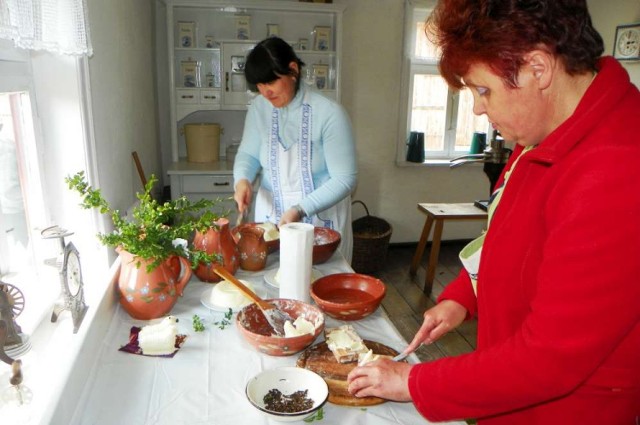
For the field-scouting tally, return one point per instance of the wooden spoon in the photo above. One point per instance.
(274, 316)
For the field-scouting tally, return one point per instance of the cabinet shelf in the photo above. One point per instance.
(211, 78)
(197, 49)
(217, 49)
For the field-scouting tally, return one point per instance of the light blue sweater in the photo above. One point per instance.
(333, 154)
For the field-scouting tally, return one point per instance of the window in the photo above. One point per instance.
(38, 147)
(17, 190)
(21, 198)
(445, 117)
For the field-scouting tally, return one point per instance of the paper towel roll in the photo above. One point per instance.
(296, 249)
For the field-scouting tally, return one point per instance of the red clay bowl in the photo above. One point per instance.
(348, 296)
(272, 246)
(325, 243)
(256, 330)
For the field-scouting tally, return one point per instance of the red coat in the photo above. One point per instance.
(558, 300)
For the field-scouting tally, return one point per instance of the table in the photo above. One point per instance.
(438, 213)
(205, 382)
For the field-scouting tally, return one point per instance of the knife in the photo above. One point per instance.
(240, 218)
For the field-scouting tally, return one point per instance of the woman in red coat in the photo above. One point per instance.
(555, 281)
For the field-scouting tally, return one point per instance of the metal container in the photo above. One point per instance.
(232, 151)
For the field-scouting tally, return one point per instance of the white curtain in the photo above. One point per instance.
(57, 26)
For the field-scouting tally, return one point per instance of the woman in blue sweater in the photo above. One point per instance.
(302, 142)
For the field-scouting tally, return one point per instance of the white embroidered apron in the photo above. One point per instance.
(291, 179)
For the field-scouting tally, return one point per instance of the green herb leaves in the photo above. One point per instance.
(317, 416)
(198, 326)
(152, 228)
(226, 321)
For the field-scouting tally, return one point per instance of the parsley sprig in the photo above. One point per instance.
(317, 416)
(198, 326)
(226, 321)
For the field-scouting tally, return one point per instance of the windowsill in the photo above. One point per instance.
(434, 163)
(58, 363)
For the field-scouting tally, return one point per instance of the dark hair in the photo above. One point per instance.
(270, 60)
(499, 33)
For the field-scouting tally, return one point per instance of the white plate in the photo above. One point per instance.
(17, 350)
(270, 277)
(205, 299)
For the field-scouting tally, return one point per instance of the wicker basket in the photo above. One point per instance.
(370, 242)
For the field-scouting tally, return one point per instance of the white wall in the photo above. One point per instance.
(372, 39)
(606, 15)
(372, 42)
(122, 73)
(371, 70)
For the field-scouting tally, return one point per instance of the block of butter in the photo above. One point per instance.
(345, 344)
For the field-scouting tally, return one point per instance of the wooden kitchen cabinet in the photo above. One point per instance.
(211, 180)
(207, 43)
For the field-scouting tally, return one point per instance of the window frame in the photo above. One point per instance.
(47, 161)
(416, 11)
(17, 78)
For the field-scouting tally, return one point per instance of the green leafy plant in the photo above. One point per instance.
(200, 257)
(153, 227)
(317, 416)
(226, 321)
(198, 326)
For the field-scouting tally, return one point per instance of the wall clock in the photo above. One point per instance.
(627, 44)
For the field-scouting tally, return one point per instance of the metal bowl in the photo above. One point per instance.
(287, 380)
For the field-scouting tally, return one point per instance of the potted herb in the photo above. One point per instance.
(154, 226)
(149, 238)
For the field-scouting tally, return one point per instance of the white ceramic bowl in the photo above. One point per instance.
(287, 380)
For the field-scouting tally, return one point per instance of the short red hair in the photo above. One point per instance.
(499, 33)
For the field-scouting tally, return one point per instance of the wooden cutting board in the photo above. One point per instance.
(320, 359)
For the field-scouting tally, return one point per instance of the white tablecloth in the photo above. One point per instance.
(205, 382)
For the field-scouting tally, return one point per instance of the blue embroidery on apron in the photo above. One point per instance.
(274, 166)
(305, 154)
(304, 158)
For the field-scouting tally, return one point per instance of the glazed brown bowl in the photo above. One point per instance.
(325, 243)
(348, 296)
(272, 245)
(256, 330)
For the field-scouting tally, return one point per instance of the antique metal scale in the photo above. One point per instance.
(71, 283)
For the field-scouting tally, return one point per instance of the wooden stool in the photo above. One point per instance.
(438, 213)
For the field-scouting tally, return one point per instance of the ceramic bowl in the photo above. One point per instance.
(325, 243)
(287, 380)
(348, 296)
(256, 330)
(272, 245)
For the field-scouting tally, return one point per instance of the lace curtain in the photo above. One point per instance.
(57, 26)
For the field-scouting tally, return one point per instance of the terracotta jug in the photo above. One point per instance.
(253, 249)
(151, 294)
(217, 240)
